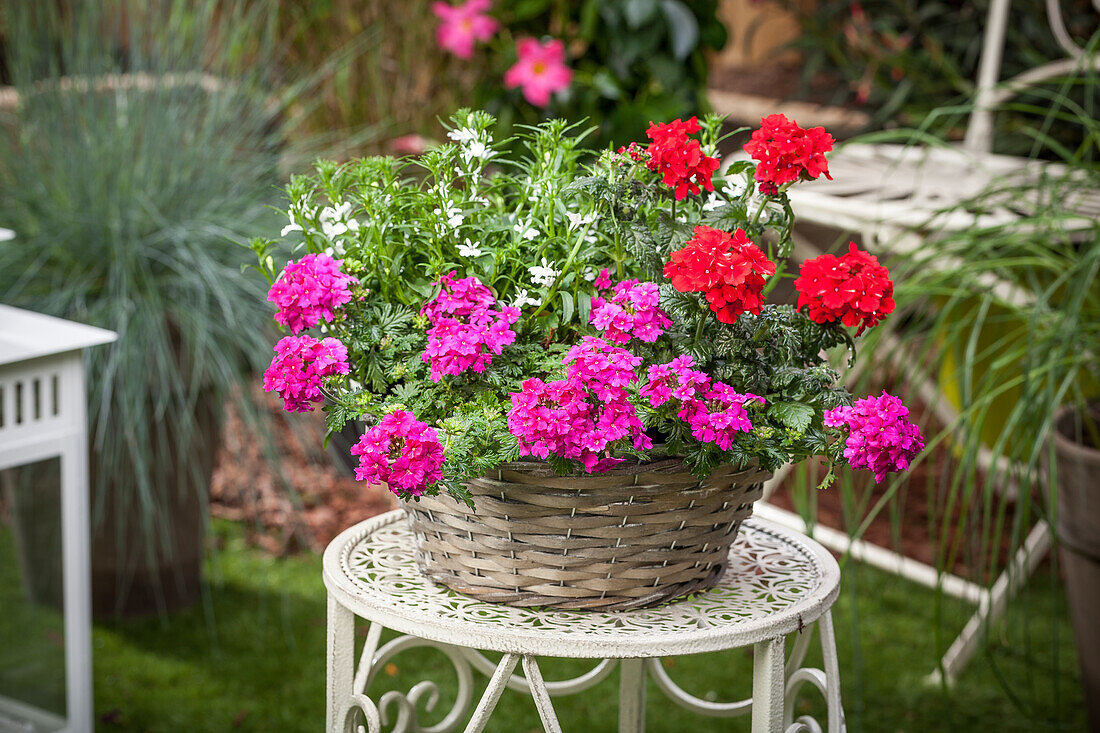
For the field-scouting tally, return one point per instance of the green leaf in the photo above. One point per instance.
(638, 12)
(566, 306)
(793, 415)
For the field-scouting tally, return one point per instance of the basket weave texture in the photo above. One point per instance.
(633, 537)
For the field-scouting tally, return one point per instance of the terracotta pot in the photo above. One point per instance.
(1079, 536)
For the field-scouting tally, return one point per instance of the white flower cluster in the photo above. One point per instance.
(543, 275)
(474, 144)
(335, 222)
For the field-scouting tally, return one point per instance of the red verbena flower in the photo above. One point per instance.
(678, 158)
(785, 153)
(728, 268)
(853, 289)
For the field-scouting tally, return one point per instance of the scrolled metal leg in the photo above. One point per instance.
(827, 683)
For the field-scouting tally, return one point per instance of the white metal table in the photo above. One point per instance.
(777, 583)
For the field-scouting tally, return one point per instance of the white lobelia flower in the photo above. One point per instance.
(734, 187)
(577, 219)
(543, 275)
(589, 274)
(469, 249)
(525, 231)
(336, 222)
(463, 135)
(477, 150)
(714, 202)
(451, 213)
(522, 299)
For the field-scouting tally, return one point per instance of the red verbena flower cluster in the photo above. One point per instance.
(401, 452)
(467, 327)
(728, 268)
(853, 288)
(678, 158)
(299, 365)
(631, 312)
(880, 438)
(581, 416)
(309, 290)
(715, 411)
(785, 152)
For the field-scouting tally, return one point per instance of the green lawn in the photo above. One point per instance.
(251, 658)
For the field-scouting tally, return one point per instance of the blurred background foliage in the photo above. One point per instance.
(902, 59)
(634, 61)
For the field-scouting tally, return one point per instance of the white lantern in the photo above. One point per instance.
(43, 418)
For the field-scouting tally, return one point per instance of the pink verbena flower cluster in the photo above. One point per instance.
(715, 411)
(467, 327)
(581, 416)
(401, 452)
(299, 365)
(881, 438)
(631, 312)
(309, 291)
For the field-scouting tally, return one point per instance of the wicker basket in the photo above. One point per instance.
(633, 537)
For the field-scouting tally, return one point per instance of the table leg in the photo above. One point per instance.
(632, 696)
(540, 695)
(768, 686)
(492, 693)
(341, 663)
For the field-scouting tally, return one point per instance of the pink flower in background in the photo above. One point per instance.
(299, 365)
(309, 290)
(880, 438)
(461, 26)
(540, 70)
(400, 451)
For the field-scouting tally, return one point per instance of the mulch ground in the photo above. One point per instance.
(294, 497)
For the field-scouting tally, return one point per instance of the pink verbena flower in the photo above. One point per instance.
(632, 311)
(581, 416)
(401, 452)
(720, 415)
(309, 291)
(467, 327)
(603, 280)
(461, 26)
(540, 70)
(299, 365)
(674, 380)
(881, 438)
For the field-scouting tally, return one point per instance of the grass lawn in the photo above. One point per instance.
(252, 658)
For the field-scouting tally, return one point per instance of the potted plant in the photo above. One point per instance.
(576, 351)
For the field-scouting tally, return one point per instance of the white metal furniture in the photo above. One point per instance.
(896, 196)
(42, 415)
(778, 583)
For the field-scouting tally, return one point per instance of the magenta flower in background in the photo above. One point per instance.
(299, 365)
(309, 290)
(880, 438)
(540, 70)
(401, 452)
(461, 26)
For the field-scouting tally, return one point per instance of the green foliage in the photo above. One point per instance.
(536, 226)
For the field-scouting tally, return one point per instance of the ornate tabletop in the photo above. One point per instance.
(777, 582)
